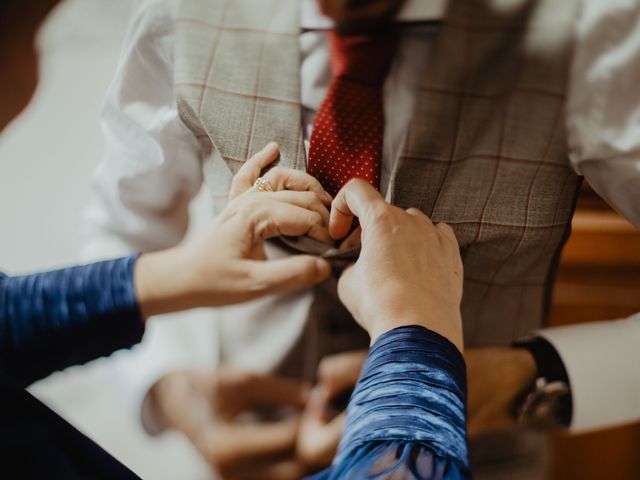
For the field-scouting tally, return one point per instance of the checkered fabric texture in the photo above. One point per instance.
(486, 150)
(237, 76)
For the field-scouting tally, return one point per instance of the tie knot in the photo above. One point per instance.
(362, 58)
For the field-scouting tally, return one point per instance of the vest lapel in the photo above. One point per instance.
(246, 55)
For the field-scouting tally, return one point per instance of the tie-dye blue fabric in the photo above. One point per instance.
(49, 321)
(406, 418)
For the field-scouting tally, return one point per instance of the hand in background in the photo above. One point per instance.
(409, 271)
(218, 411)
(496, 379)
(225, 263)
(321, 424)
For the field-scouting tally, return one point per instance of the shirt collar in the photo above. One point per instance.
(413, 11)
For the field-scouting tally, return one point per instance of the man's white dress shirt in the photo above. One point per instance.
(152, 169)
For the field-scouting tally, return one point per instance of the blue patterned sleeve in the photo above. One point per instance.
(49, 321)
(406, 417)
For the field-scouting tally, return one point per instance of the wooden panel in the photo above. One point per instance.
(602, 238)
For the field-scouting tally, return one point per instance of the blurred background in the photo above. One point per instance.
(47, 158)
(46, 161)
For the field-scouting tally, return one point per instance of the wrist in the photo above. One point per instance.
(524, 372)
(448, 324)
(162, 283)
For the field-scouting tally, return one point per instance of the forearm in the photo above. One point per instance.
(408, 406)
(49, 321)
(446, 322)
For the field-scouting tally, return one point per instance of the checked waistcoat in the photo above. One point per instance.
(486, 150)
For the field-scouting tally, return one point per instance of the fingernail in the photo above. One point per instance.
(271, 146)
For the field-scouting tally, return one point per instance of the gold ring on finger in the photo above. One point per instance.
(262, 185)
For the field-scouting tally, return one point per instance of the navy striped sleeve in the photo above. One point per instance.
(407, 416)
(49, 321)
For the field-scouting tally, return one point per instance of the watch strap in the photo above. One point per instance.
(552, 375)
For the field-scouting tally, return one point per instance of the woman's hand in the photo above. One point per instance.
(409, 271)
(285, 179)
(225, 264)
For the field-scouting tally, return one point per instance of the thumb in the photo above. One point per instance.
(291, 273)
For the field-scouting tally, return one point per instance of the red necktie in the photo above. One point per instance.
(346, 141)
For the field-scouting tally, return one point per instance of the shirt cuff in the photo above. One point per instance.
(602, 361)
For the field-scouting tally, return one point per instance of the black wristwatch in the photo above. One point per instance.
(547, 404)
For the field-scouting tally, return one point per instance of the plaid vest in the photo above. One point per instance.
(486, 150)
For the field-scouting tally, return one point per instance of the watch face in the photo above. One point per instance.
(547, 406)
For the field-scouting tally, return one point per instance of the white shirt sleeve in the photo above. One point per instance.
(603, 110)
(602, 360)
(603, 119)
(152, 166)
(151, 170)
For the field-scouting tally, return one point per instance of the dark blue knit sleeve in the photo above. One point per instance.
(49, 321)
(406, 418)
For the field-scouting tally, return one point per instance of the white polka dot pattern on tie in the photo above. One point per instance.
(346, 141)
